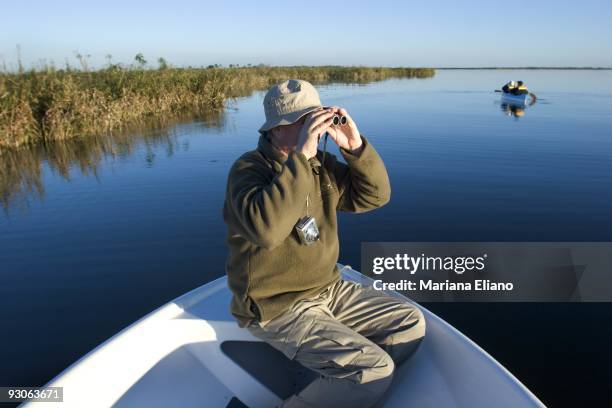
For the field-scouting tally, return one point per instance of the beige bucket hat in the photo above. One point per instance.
(287, 102)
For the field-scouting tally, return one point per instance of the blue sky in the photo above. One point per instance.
(390, 33)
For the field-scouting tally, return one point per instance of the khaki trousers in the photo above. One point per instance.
(352, 335)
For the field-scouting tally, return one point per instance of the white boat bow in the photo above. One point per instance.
(191, 353)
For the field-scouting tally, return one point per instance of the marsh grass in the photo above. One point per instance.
(71, 120)
(49, 104)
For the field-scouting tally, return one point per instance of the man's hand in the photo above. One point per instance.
(316, 123)
(346, 136)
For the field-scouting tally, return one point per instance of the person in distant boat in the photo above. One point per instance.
(288, 290)
(515, 88)
(509, 86)
(520, 89)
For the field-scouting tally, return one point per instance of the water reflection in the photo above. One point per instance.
(21, 169)
(510, 109)
(516, 109)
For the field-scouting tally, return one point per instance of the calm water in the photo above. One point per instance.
(97, 233)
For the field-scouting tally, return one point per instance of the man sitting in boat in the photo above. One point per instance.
(515, 88)
(508, 86)
(280, 210)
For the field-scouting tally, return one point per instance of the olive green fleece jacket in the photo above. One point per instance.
(268, 268)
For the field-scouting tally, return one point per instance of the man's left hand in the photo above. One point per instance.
(345, 136)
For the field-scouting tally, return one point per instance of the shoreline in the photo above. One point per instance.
(50, 104)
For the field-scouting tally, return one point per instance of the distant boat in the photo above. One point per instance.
(516, 93)
(191, 353)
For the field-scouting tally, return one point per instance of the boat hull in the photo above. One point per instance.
(191, 353)
(514, 99)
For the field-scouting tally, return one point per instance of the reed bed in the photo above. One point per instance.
(49, 104)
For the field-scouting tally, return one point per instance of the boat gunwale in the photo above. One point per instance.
(182, 303)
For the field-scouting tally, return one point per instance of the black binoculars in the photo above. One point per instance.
(339, 120)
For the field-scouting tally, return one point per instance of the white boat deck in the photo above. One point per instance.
(191, 353)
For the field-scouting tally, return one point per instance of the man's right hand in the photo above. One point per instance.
(315, 124)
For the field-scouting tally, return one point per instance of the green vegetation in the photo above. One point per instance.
(51, 104)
